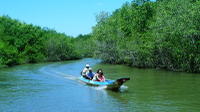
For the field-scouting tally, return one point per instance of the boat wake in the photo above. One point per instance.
(123, 88)
(100, 88)
(67, 76)
(55, 73)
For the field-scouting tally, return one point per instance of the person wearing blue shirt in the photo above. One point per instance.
(90, 74)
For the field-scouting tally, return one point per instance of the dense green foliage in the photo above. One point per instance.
(24, 43)
(85, 45)
(162, 34)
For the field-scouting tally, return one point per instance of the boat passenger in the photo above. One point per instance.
(99, 76)
(85, 71)
(90, 75)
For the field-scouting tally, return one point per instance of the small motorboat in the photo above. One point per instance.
(110, 84)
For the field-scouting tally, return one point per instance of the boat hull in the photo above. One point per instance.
(110, 84)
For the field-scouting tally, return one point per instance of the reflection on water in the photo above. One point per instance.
(54, 87)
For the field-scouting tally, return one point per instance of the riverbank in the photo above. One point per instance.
(46, 62)
(3, 66)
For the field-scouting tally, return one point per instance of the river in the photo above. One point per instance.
(54, 87)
